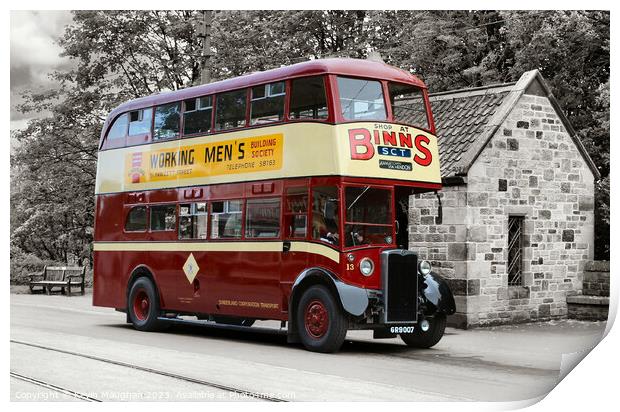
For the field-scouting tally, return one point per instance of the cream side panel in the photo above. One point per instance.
(303, 149)
(308, 149)
(246, 246)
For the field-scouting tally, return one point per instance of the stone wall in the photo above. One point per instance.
(445, 245)
(530, 168)
(593, 303)
(596, 278)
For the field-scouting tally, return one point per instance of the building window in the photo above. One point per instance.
(308, 99)
(226, 219)
(136, 219)
(167, 119)
(193, 221)
(230, 110)
(262, 218)
(267, 103)
(163, 217)
(515, 250)
(197, 115)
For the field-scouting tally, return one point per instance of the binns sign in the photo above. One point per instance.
(406, 143)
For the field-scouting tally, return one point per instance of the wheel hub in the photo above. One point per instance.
(316, 319)
(141, 305)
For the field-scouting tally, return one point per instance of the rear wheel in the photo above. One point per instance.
(421, 339)
(143, 306)
(321, 324)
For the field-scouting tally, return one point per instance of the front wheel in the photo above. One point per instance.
(421, 339)
(321, 323)
(143, 306)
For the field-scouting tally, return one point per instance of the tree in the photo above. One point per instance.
(120, 55)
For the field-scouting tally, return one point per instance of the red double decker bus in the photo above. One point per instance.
(277, 195)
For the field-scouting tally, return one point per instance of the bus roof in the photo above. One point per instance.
(345, 67)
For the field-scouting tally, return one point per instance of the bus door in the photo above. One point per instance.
(296, 232)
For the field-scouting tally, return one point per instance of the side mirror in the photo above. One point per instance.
(331, 209)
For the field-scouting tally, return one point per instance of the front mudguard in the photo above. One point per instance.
(436, 295)
(354, 300)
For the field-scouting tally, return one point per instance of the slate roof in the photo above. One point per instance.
(467, 119)
(460, 117)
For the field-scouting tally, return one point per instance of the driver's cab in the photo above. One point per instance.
(368, 212)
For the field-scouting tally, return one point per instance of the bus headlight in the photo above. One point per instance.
(424, 267)
(366, 267)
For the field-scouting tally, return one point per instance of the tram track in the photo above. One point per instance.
(53, 387)
(215, 385)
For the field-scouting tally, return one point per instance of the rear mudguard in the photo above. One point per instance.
(354, 300)
(437, 295)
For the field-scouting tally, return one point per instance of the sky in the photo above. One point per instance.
(34, 54)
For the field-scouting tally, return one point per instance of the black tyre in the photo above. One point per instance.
(225, 320)
(321, 323)
(143, 306)
(420, 339)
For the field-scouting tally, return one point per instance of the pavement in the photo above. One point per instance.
(198, 363)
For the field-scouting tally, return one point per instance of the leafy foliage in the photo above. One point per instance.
(120, 55)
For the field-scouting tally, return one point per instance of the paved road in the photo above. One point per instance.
(491, 364)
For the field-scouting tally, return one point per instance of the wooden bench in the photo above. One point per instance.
(63, 277)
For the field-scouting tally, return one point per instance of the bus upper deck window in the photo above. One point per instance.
(167, 118)
(308, 99)
(408, 105)
(197, 115)
(119, 128)
(230, 110)
(361, 99)
(140, 122)
(267, 103)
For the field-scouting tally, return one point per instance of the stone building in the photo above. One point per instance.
(517, 226)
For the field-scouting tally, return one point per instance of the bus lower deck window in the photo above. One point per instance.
(296, 212)
(163, 217)
(136, 219)
(325, 221)
(308, 99)
(361, 99)
(193, 221)
(262, 218)
(226, 219)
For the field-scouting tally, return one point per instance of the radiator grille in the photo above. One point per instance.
(400, 286)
